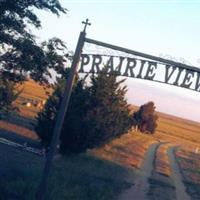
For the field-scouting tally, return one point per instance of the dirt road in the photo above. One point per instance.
(141, 185)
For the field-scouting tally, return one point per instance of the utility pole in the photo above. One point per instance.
(61, 114)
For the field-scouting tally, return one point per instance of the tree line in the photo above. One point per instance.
(98, 112)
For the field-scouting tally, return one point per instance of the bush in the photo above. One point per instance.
(8, 94)
(145, 118)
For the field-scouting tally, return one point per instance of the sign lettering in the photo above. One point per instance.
(142, 69)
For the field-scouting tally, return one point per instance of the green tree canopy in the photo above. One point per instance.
(19, 51)
(20, 54)
(8, 93)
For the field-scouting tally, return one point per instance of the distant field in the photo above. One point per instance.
(32, 93)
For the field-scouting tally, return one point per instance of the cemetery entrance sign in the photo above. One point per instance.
(135, 65)
(142, 66)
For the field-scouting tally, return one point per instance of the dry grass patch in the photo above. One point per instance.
(187, 130)
(18, 130)
(162, 163)
(189, 163)
(128, 150)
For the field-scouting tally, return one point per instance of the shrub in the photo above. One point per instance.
(145, 118)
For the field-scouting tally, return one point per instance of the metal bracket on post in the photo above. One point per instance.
(61, 115)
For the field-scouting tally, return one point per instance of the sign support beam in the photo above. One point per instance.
(136, 53)
(61, 115)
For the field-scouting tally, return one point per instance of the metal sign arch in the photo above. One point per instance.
(142, 66)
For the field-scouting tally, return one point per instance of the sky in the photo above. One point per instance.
(168, 29)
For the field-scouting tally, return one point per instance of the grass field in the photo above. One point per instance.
(105, 172)
(82, 177)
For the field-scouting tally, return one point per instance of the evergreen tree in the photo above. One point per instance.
(145, 118)
(46, 118)
(109, 114)
(74, 136)
(96, 114)
(73, 127)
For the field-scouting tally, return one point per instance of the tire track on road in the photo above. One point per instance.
(181, 193)
(140, 189)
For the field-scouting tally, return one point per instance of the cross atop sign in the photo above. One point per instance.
(86, 24)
